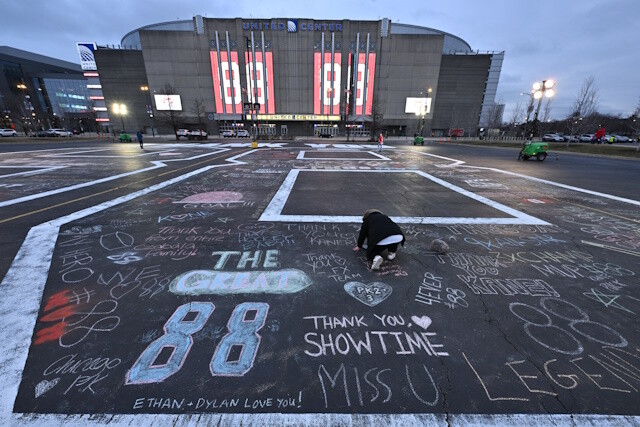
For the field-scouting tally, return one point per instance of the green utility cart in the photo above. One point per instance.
(418, 140)
(125, 137)
(534, 149)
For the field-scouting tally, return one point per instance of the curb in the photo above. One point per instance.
(572, 153)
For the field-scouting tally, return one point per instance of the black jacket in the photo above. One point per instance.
(376, 227)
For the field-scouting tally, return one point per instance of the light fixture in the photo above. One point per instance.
(549, 93)
(548, 84)
(120, 109)
(537, 86)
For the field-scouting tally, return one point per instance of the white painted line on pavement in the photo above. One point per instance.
(86, 150)
(557, 184)
(460, 163)
(39, 151)
(30, 197)
(79, 155)
(37, 171)
(273, 212)
(302, 155)
(611, 248)
(157, 165)
(455, 162)
(22, 289)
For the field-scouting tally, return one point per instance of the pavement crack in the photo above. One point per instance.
(526, 357)
(444, 392)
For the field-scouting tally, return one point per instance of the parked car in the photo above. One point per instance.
(552, 137)
(39, 133)
(197, 134)
(571, 138)
(77, 131)
(242, 133)
(8, 132)
(586, 137)
(58, 132)
(621, 138)
(182, 132)
(125, 137)
(227, 134)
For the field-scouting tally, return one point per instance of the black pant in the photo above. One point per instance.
(378, 249)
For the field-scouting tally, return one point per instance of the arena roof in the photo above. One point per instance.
(452, 43)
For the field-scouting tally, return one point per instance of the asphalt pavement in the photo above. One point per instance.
(201, 283)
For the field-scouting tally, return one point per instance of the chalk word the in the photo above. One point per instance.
(199, 282)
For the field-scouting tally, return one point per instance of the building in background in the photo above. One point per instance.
(38, 92)
(90, 72)
(283, 77)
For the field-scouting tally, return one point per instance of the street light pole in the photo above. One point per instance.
(120, 110)
(542, 90)
(149, 107)
(529, 109)
(23, 89)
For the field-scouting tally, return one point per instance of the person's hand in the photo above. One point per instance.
(356, 248)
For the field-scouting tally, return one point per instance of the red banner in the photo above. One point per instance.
(322, 80)
(370, 80)
(231, 102)
(360, 81)
(264, 93)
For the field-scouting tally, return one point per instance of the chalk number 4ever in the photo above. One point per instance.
(178, 337)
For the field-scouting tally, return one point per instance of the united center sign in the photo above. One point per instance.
(291, 25)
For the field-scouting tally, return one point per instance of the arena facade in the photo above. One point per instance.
(308, 76)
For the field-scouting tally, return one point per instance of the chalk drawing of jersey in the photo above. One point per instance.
(209, 282)
(213, 197)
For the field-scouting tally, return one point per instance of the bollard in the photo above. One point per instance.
(556, 157)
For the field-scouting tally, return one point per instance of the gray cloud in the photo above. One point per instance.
(559, 39)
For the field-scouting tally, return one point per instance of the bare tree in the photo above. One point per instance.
(376, 118)
(172, 116)
(634, 120)
(516, 116)
(584, 107)
(455, 119)
(198, 110)
(494, 117)
(473, 120)
(634, 123)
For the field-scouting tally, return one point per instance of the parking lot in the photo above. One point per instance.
(215, 283)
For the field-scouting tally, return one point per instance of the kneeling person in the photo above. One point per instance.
(381, 234)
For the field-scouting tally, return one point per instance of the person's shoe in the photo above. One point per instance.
(391, 256)
(377, 261)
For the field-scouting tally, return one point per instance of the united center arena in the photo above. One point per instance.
(286, 77)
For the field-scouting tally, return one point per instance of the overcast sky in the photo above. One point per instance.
(566, 40)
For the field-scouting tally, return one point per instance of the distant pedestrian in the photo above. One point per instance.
(600, 135)
(380, 142)
(380, 234)
(139, 136)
